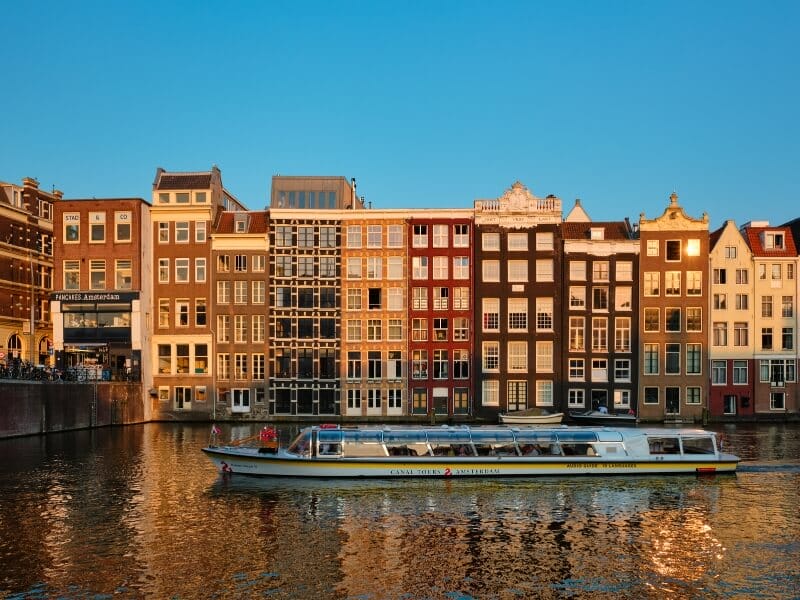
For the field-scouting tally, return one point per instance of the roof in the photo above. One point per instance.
(613, 230)
(714, 236)
(754, 238)
(256, 222)
(184, 181)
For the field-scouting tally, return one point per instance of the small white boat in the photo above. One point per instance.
(486, 451)
(596, 417)
(523, 418)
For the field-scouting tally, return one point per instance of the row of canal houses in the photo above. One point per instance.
(321, 306)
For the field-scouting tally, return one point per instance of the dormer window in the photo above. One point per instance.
(240, 224)
(773, 241)
(597, 233)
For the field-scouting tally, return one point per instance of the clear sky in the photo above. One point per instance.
(425, 103)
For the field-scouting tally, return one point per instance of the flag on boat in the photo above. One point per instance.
(215, 430)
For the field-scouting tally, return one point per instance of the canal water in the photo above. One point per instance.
(139, 512)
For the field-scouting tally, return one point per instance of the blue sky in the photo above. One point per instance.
(426, 104)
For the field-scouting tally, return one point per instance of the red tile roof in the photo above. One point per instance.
(184, 181)
(257, 222)
(753, 237)
(614, 230)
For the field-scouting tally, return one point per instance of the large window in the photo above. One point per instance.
(97, 274)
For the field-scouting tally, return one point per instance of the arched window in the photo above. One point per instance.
(14, 346)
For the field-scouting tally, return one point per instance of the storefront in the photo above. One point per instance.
(95, 334)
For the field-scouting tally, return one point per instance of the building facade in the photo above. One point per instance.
(518, 339)
(26, 272)
(673, 295)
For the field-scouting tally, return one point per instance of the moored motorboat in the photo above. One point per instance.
(486, 451)
(524, 418)
(596, 417)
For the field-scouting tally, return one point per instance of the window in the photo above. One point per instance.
(440, 267)
(440, 236)
(440, 329)
(259, 291)
(622, 334)
(544, 270)
(491, 314)
(673, 250)
(374, 298)
(182, 232)
(461, 267)
(460, 329)
(730, 251)
(544, 242)
(577, 297)
(651, 395)
(163, 312)
(599, 333)
(440, 364)
(720, 276)
(517, 357)
(395, 329)
(258, 328)
(419, 267)
(395, 299)
(766, 338)
(742, 276)
(420, 236)
(72, 275)
(354, 330)
(577, 340)
(577, 270)
(517, 314)
(576, 369)
(122, 226)
(491, 356)
(419, 298)
(740, 372)
(787, 306)
(223, 292)
(544, 393)
(720, 301)
(72, 228)
(694, 283)
(600, 298)
(672, 283)
(622, 369)
(181, 270)
(652, 247)
(461, 298)
(651, 319)
(461, 235)
(460, 364)
(419, 364)
(576, 398)
(742, 301)
(490, 270)
(240, 366)
(672, 353)
(693, 362)
(740, 334)
(544, 314)
(518, 271)
(374, 365)
(490, 393)
(163, 270)
(693, 395)
(419, 330)
(490, 241)
(181, 313)
(544, 357)
(624, 270)
(240, 292)
(600, 270)
(394, 267)
(776, 272)
(353, 236)
(773, 241)
(97, 274)
(517, 241)
(354, 365)
(200, 313)
(240, 329)
(719, 372)
(720, 333)
(97, 227)
(787, 338)
(599, 369)
(354, 299)
(651, 283)
(672, 319)
(762, 271)
(650, 359)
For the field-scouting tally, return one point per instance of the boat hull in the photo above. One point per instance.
(512, 419)
(250, 462)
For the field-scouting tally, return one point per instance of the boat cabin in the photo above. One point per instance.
(338, 442)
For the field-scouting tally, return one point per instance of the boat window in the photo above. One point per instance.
(573, 449)
(449, 436)
(301, 444)
(404, 437)
(698, 445)
(530, 436)
(577, 436)
(492, 435)
(363, 436)
(663, 445)
(329, 436)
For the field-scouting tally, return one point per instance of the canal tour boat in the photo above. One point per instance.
(483, 451)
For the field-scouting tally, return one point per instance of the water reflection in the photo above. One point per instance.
(139, 511)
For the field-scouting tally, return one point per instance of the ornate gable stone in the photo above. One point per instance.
(518, 208)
